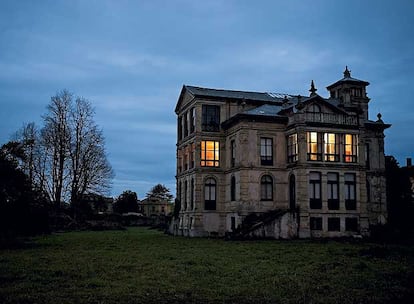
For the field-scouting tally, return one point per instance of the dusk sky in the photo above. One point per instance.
(131, 58)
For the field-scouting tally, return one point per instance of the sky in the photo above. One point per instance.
(130, 59)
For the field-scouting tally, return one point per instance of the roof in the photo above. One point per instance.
(266, 110)
(219, 93)
(348, 79)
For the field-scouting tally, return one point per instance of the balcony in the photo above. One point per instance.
(327, 118)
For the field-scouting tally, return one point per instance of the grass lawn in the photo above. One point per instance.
(145, 266)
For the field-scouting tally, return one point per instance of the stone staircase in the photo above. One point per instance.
(273, 224)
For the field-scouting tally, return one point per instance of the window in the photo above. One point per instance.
(210, 194)
(292, 148)
(368, 191)
(350, 191)
(367, 161)
(315, 223)
(186, 124)
(292, 192)
(211, 118)
(185, 195)
(192, 120)
(233, 189)
(266, 188)
(351, 224)
(180, 127)
(191, 154)
(233, 153)
(266, 151)
(333, 191)
(331, 147)
(350, 148)
(210, 153)
(315, 200)
(334, 224)
(192, 195)
(314, 146)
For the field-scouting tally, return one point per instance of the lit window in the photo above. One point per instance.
(350, 191)
(210, 153)
(292, 148)
(331, 147)
(350, 148)
(333, 191)
(266, 151)
(211, 118)
(266, 188)
(315, 199)
(210, 194)
(314, 146)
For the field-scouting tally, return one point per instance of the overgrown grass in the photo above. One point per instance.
(146, 266)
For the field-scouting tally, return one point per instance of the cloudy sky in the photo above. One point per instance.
(131, 58)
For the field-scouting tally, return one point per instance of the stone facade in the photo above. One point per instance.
(319, 159)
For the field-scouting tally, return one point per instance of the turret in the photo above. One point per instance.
(352, 94)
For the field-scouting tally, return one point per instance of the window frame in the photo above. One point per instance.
(334, 224)
(206, 161)
(233, 188)
(314, 155)
(266, 188)
(210, 118)
(210, 194)
(315, 190)
(350, 191)
(315, 223)
(292, 148)
(350, 149)
(333, 190)
(266, 151)
(331, 144)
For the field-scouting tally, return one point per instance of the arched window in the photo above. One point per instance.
(233, 189)
(292, 192)
(210, 194)
(266, 188)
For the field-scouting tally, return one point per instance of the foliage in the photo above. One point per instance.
(23, 210)
(66, 158)
(160, 192)
(146, 266)
(126, 202)
(399, 196)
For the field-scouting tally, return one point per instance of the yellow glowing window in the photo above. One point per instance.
(350, 148)
(331, 147)
(314, 146)
(210, 153)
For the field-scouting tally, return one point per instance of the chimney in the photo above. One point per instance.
(409, 162)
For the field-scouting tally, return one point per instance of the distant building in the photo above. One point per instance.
(316, 165)
(153, 206)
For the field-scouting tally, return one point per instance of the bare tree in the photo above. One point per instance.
(90, 170)
(67, 158)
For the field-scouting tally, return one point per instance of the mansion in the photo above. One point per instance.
(302, 166)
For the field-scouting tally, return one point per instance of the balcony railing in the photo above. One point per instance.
(330, 118)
